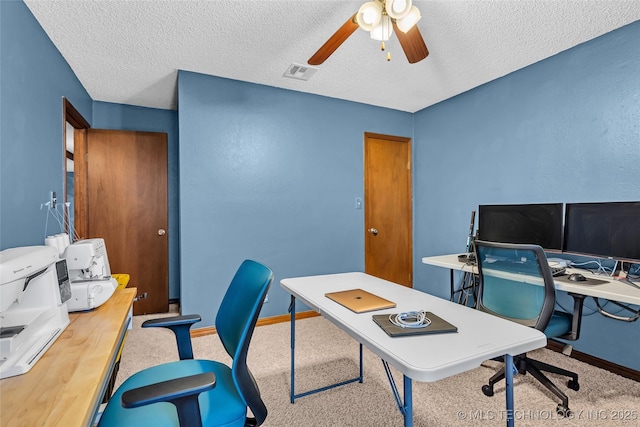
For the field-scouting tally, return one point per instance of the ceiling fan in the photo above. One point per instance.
(381, 18)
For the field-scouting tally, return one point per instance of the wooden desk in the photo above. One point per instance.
(66, 386)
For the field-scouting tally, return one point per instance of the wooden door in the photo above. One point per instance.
(388, 216)
(126, 205)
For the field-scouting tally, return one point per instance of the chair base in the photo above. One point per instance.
(535, 367)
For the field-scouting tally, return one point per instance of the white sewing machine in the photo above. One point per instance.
(89, 274)
(34, 288)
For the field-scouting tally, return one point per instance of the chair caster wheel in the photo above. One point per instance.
(573, 385)
(562, 410)
(487, 390)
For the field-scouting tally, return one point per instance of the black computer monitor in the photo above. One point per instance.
(538, 224)
(608, 230)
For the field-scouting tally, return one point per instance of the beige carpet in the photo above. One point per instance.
(325, 354)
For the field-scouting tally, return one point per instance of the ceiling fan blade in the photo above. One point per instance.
(334, 41)
(412, 43)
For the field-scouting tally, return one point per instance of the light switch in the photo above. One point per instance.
(358, 203)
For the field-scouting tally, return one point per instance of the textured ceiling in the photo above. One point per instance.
(129, 52)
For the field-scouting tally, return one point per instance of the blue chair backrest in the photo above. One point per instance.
(515, 282)
(235, 322)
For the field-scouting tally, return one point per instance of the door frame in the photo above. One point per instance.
(72, 116)
(408, 142)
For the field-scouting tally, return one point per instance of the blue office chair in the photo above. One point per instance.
(515, 283)
(199, 393)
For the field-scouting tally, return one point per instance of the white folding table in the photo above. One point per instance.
(426, 358)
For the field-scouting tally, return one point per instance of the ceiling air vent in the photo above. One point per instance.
(300, 72)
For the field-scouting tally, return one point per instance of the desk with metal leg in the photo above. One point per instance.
(480, 336)
(608, 288)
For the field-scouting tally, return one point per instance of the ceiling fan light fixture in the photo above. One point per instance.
(383, 31)
(398, 9)
(411, 19)
(369, 15)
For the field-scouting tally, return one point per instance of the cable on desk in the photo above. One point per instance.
(410, 319)
(601, 269)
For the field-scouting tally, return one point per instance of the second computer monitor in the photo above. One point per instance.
(609, 230)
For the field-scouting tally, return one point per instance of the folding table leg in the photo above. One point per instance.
(293, 395)
(408, 402)
(406, 407)
(508, 376)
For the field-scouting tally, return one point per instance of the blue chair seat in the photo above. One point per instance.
(559, 324)
(221, 406)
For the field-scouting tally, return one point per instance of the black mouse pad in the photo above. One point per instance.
(588, 282)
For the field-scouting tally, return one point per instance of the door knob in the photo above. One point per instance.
(161, 232)
(373, 231)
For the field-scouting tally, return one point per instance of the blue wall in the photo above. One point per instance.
(127, 117)
(272, 175)
(33, 79)
(566, 129)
